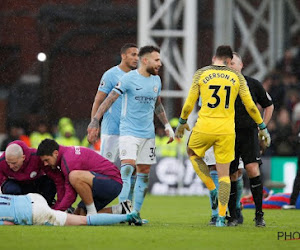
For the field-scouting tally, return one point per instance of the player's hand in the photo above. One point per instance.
(169, 132)
(93, 131)
(182, 125)
(264, 134)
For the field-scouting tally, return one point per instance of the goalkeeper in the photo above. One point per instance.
(218, 86)
(247, 147)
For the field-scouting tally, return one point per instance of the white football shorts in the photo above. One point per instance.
(42, 214)
(110, 147)
(209, 157)
(141, 150)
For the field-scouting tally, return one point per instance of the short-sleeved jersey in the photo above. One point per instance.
(259, 95)
(138, 103)
(111, 119)
(218, 87)
(16, 209)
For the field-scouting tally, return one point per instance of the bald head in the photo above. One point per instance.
(14, 150)
(14, 156)
(236, 62)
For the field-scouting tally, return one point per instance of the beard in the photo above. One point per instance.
(152, 71)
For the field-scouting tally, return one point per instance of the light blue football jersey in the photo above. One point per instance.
(16, 209)
(138, 103)
(111, 119)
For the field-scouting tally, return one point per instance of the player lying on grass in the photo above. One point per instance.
(32, 209)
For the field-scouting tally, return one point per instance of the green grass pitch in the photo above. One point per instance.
(174, 223)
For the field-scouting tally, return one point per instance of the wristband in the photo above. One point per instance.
(168, 126)
(182, 121)
(262, 126)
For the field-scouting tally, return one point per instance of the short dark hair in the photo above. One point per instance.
(224, 51)
(148, 49)
(126, 46)
(47, 147)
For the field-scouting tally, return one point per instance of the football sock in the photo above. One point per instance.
(116, 209)
(232, 200)
(126, 172)
(133, 179)
(105, 219)
(91, 209)
(257, 192)
(202, 171)
(214, 176)
(140, 190)
(224, 192)
(240, 187)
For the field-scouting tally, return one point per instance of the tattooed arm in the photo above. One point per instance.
(160, 111)
(93, 128)
(161, 114)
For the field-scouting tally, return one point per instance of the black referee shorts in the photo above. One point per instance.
(246, 147)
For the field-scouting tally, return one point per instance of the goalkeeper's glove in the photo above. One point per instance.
(182, 125)
(264, 134)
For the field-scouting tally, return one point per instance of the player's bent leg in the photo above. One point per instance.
(82, 182)
(202, 171)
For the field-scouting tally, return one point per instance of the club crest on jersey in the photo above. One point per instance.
(124, 152)
(33, 174)
(102, 84)
(155, 89)
(108, 155)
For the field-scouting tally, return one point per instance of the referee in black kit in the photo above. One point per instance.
(247, 146)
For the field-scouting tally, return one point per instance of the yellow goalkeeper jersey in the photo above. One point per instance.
(218, 87)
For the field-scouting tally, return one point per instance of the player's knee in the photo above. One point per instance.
(127, 170)
(143, 169)
(74, 177)
(11, 187)
(252, 170)
(190, 152)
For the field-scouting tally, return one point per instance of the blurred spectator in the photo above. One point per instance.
(15, 132)
(296, 117)
(67, 136)
(42, 133)
(283, 138)
(287, 63)
(274, 86)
